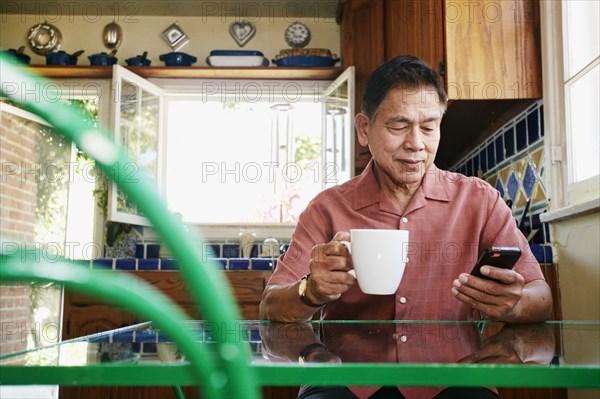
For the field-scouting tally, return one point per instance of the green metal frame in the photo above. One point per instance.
(207, 286)
(324, 374)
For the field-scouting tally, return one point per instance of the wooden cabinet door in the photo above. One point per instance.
(81, 320)
(415, 27)
(493, 49)
(363, 48)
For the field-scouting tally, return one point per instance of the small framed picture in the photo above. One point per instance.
(175, 37)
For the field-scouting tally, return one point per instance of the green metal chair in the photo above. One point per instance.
(224, 373)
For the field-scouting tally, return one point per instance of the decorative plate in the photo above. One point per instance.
(297, 35)
(242, 32)
(44, 38)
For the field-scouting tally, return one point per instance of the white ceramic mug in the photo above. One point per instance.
(379, 257)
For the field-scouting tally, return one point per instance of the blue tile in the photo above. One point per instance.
(148, 264)
(536, 224)
(139, 251)
(152, 250)
(491, 156)
(125, 264)
(254, 335)
(483, 160)
(529, 179)
(499, 144)
(102, 263)
(521, 135)
(168, 264)
(512, 186)
(262, 264)
(476, 166)
(125, 336)
(231, 251)
(548, 252)
(469, 168)
(509, 142)
(254, 251)
(101, 338)
(500, 188)
(538, 252)
(239, 264)
(211, 250)
(220, 262)
(136, 347)
(145, 336)
(533, 127)
(541, 110)
(149, 347)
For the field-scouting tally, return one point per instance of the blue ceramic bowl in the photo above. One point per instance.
(102, 59)
(20, 57)
(138, 61)
(178, 59)
(60, 58)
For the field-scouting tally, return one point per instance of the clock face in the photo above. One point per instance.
(297, 35)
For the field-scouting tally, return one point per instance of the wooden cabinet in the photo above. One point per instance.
(493, 49)
(484, 50)
(363, 48)
(415, 27)
(83, 315)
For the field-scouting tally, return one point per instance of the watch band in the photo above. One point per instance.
(302, 292)
(308, 349)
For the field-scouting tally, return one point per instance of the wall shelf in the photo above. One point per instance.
(268, 73)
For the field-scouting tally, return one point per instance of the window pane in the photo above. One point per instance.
(139, 131)
(583, 125)
(232, 162)
(581, 33)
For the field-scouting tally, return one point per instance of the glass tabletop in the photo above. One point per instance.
(423, 353)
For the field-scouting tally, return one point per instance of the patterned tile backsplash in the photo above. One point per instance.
(512, 161)
(224, 255)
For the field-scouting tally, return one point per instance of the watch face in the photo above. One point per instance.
(297, 35)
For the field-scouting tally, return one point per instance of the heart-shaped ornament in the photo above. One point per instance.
(242, 32)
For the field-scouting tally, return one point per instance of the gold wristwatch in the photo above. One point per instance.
(302, 292)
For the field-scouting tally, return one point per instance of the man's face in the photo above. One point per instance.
(404, 135)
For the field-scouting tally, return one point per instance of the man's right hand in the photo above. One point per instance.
(329, 266)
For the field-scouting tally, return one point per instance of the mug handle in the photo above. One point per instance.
(348, 245)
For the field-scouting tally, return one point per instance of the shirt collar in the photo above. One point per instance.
(432, 187)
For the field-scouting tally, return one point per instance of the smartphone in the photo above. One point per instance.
(504, 257)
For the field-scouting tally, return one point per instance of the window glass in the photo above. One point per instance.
(241, 162)
(583, 125)
(581, 34)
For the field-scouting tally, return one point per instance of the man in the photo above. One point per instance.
(451, 219)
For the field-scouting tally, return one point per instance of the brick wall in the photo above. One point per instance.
(18, 190)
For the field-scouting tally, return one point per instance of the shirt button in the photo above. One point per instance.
(403, 338)
(402, 299)
(404, 220)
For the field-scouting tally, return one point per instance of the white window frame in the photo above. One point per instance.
(174, 88)
(568, 198)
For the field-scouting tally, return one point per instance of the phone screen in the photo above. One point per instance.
(504, 257)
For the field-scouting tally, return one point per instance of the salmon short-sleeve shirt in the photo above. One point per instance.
(451, 219)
